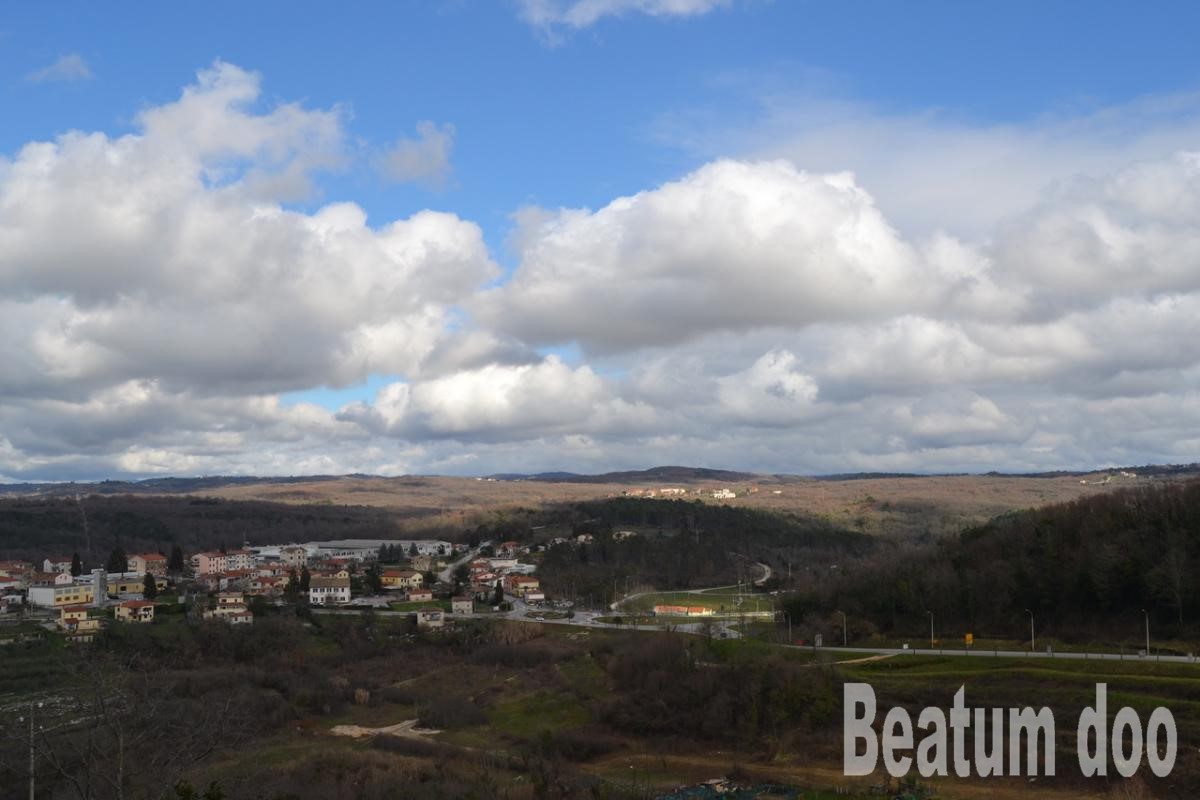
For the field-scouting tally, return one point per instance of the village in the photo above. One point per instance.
(434, 582)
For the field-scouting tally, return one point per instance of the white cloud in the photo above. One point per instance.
(732, 246)
(576, 14)
(500, 403)
(159, 292)
(67, 68)
(425, 159)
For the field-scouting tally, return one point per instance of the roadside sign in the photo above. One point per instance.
(970, 639)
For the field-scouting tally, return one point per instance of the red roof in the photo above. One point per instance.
(136, 604)
(151, 556)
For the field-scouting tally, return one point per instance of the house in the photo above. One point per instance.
(463, 604)
(620, 536)
(418, 595)
(231, 609)
(152, 563)
(723, 494)
(520, 584)
(239, 559)
(135, 611)
(18, 570)
(329, 591)
(210, 563)
(535, 596)
(431, 617)
(294, 556)
(422, 563)
(75, 620)
(402, 579)
(57, 564)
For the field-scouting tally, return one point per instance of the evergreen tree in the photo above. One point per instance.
(305, 579)
(412, 550)
(117, 560)
(498, 595)
(76, 566)
(149, 587)
(175, 560)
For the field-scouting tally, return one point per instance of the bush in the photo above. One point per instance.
(450, 711)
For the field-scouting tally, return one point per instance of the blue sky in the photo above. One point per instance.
(553, 116)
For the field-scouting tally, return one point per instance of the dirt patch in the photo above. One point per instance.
(408, 729)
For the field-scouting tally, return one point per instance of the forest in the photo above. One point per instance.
(1084, 570)
(35, 527)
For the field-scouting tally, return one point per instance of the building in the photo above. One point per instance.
(76, 621)
(462, 605)
(520, 584)
(16, 570)
(723, 494)
(60, 595)
(401, 579)
(231, 609)
(239, 559)
(209, 563)
(293, 556)
(329, 591)
(431, 617)
(422, 563)
(57, 564)
(135, 611)
(418, 595)
(152, 563)
(683, 611)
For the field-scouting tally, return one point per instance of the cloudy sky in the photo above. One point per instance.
(472, 236)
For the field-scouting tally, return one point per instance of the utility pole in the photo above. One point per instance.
(32, 754)
(1147, 616)
(1032, 640)
(843, 613)
(930, 629)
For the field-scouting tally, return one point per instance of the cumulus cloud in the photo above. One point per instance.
(732, 246)
(161, 294)
(424, 159)
(500, 402)
(66, 69)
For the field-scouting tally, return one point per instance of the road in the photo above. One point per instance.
(918, 651)
(447, 575)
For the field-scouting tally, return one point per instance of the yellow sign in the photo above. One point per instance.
(970, 639)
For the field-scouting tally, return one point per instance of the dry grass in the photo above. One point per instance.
(938, 504)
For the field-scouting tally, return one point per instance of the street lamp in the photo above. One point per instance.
(843, 613)
(930, 613)
(1147, 616)
(1032, 638)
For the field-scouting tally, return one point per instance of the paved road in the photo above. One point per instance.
(447, 575)
(981, 653)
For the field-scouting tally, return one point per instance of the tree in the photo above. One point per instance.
(117, 560)
(293, 584)
(149, 586)
(498, 595)
(373, 578)
(175, 560)
(412, 550)
(305, 579)
(76, 565)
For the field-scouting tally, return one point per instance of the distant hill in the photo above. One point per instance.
(652, 475)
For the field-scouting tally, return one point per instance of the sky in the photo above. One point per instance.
(475, 236)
